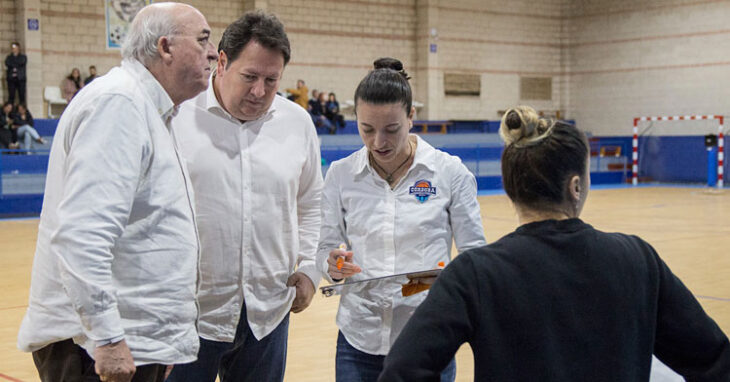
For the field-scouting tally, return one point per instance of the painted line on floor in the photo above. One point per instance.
(714, 298)
(13, 307)
(9, 378)
(617, 186)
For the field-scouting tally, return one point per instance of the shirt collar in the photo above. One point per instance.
(424, 157)
(213, 106)
(162, 101)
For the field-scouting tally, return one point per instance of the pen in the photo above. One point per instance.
(341, 259)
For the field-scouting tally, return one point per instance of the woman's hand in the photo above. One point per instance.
(346, 268)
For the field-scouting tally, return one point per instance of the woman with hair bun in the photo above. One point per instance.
(396, 204)
(558, 300)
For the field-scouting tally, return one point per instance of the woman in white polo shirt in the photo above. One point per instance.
(397, 204)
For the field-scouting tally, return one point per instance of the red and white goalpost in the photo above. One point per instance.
(720, 142)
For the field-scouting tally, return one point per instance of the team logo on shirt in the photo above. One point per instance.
(422, 190)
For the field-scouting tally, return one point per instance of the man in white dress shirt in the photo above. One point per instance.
(255, 167)
(114, 276)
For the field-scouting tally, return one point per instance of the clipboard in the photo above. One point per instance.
(401, 278)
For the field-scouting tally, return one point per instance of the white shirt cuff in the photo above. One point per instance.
(103, 326)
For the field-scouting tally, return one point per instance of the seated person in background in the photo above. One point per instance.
(299, 95)
(332, 112)
(8, 133)
(71, 84)
(312, 103)
(92, 75)
(316, 110)
(558, 300)
(23, 121)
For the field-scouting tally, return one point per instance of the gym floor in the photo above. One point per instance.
(688, 226)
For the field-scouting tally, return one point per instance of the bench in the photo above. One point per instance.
(426, 124)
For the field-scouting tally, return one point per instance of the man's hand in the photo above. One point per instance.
(305, 291)
(114, 362)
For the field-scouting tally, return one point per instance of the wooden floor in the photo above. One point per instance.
(689, 227)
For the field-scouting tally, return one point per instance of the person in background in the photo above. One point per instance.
(23, 121)
(397, 204)
(115, 270)
(254, 163)
(15, 73)
(312, 103)
(558, 300)
(71, 84)
(299, 94)
(92, 75)
(8, 133)
(316, 111)
(332, 112)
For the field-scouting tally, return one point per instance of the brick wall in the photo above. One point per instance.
(636, 58)
(7, 36)
(74, 34)
(334, 43)
(501, 41)
(609, 61)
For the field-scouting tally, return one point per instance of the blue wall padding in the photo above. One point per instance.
(20, 205)
(24, 164)
(45, 127)
(661, 158)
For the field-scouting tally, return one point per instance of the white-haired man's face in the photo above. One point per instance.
(191, 54)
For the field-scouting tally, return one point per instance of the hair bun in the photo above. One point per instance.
(513, 120)
(523, 124)
(392, 64)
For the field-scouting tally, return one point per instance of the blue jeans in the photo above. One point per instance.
(28, 134)
(246, 359)
(352, 365)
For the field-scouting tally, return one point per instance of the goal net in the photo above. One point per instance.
(672, 149)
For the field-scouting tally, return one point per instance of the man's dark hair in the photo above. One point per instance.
(264, 28)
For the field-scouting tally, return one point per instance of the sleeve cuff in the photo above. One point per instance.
(109, 341)
(313, 274)
(104, 326)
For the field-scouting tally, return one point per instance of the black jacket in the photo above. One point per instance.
(560, 301)
(16, 65)
(20, 122)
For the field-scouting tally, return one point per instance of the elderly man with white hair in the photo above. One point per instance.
(115, 270)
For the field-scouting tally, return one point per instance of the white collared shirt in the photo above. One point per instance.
(117, 247)
(257, 188)
(408, 228)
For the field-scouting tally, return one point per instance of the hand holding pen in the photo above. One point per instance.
(340, 265)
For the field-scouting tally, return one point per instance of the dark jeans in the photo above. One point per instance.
(65, 361)
(246, 359)
(13, 85)
(6, 138)
(352, 365)
(337, 120)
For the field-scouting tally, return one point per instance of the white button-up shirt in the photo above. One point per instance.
(257, 195)
(117, 248)
(409, 228)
